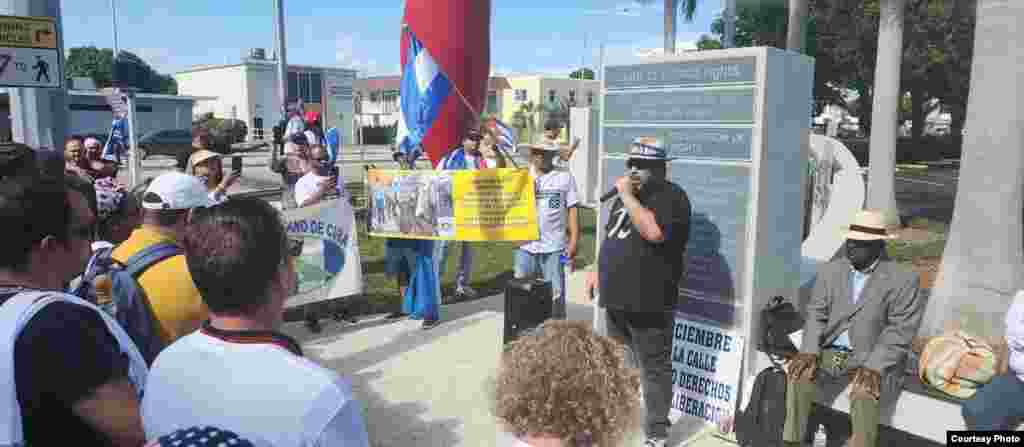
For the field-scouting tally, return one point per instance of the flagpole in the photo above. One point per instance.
(471, 109)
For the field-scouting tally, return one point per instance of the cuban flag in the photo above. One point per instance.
(506, 136)
(117, 141)
(333, 138)
(456, 35)
(424, 89)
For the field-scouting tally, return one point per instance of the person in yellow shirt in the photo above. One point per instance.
(176, 304)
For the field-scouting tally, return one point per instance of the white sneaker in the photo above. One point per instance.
(466, 291)
(655, 442)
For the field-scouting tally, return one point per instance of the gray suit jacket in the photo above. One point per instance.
(882, 323)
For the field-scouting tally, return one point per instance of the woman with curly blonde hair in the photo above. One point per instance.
(565, 386)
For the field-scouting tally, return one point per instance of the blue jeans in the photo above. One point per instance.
(465, 261)
(549, 267)
(998, 405)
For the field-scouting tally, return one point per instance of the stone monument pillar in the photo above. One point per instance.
(882, 165)
(583, 164)
(982, 266)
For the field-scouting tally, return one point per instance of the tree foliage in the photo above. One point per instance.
(98, 64)
(842, 36)
(707, 42)
(583, 73)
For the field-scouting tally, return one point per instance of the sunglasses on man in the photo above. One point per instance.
(643, 164)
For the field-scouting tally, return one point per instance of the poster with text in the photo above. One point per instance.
(706, 363)
(481, 205)
(329, 266)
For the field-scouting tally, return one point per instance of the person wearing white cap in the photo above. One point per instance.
(639, 269)
(166, 208)
(862, 316)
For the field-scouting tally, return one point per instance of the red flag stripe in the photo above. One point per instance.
(456, 33)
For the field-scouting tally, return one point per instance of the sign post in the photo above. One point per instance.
(33, 58)
(29, 56)
(734, 120)
(134, 158)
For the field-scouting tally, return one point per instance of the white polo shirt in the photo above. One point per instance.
(252, 384)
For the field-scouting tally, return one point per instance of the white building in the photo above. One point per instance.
(248, 91)
(89, 112)
(377, 99)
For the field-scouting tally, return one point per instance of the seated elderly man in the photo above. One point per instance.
(863, 312)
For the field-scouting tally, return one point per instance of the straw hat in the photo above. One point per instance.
(869, 226)
(201, 156)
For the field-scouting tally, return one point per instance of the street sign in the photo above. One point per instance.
(28, 32)
(29, 56)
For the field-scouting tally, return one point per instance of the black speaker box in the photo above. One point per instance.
(528, 303)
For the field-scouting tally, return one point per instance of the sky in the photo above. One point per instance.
(173, 35)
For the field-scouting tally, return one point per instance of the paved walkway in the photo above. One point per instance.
(429, 388)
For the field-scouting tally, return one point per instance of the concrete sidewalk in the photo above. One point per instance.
(429, 388)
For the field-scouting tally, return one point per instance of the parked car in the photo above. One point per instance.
(168, 142)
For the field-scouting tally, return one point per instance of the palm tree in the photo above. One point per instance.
(983, 263)
(688, 9)
(524, 119)
(797, 25)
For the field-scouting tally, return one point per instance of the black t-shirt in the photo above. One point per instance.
(62, 355)
(640, 276)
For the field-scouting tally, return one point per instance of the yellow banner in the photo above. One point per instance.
(482, 205)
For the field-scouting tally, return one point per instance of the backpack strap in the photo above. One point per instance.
(149, 256)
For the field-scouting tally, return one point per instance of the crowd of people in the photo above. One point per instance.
(166, 300)
(156, 295)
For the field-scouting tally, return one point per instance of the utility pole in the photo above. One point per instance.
(729, 24)
(39, 115)
(113, 20)
(134, 162)
(282, 60)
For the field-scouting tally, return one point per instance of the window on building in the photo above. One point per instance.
(316, 88)
(293, 84)
(521, 95)
(551, 96)
(590, 98)
(390, 101)
(374, 96)
(257, 128)
(492, 103)
(304, 86)
(572, 96)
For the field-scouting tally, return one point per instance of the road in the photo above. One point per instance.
(256, 175)
(927, 193)
(919, 193)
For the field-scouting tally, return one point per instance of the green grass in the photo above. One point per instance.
(907, 252)
(492, 266)
(932, 226)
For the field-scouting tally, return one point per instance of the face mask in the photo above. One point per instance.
(862, 255)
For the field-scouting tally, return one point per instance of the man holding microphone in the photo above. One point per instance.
(640, 265)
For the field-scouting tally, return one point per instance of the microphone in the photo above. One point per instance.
(608, 195)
